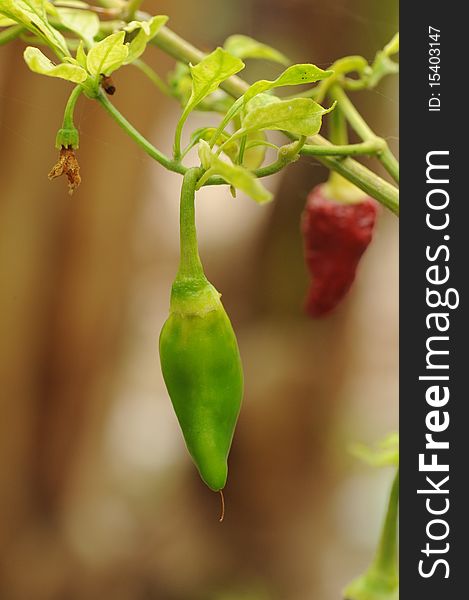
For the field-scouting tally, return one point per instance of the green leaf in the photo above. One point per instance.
(300, 116)
(74, 4)
(82, 22)
(206, 78)
(209, 73)
(80, 56)
(231, 149)
(385, 454)
(180, 82)
(5, 21)
(237, 176)
(108, 55)
(243, 47)
(260, 101)
(294, 75)
(32, 14)
(255, 146)
(39, 63)
(146, 31)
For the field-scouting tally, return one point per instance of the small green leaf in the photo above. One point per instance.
(39, 63)
(82, 22)
(300, 116)
(231, 149)
(80, 56)
(108, 55)
(237, 176)
(209, 73)
(386, 453)
(74, 4)
(5, 21)
(294, 75)
(146, 31)
(180, 82)
(243, 47)
(32, 14)
(259, 101)
(205, 154)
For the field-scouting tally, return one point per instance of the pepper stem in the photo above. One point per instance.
(67, 136)
(381, 580)
(337, 187)
(338, 133)
(190, 266)
(385, 560)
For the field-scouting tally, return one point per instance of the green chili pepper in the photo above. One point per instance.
(200, 357)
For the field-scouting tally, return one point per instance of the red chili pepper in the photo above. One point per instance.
(335, 234)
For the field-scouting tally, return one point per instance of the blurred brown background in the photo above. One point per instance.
(98, 498)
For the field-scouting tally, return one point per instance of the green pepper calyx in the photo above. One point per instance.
(194, 296)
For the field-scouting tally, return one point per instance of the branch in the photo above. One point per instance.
(366, 180)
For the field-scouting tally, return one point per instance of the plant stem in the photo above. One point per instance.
(372, 184)
(190, 266)
(231, 114)
(7, 35)
(138, 137)
(362, 177)
(364, 148)
(386, 193)
(366, 180)
(358, 174)
(153, 77)
(70, 108)
(361, 127)
(338, 127)
(131, 8)
(385, 560)
(242, 148)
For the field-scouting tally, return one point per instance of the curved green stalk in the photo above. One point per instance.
(132, 8)
(166, 162)
(70, 107)
(338, 133)
(157, 81)
(67, 135)
(190, 265)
